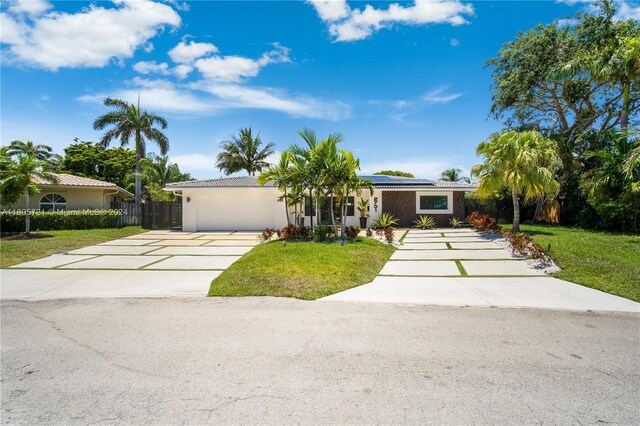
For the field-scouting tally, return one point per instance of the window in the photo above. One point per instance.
(434, 202)
(309, 208)
(350, 206)
(53, 202)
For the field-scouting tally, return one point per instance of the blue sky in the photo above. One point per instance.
(405, 84)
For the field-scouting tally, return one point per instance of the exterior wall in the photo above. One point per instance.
(76, 198)
(403, 204)
(355, 219)
(237, 209)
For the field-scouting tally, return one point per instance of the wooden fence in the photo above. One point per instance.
(129, 213)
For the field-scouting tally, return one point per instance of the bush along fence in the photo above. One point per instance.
(13, 221)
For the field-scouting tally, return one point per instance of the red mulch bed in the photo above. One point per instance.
(23, 236)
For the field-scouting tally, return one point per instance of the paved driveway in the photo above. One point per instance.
(459, 267)
(152, 264)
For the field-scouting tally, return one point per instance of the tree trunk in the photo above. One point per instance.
(286, 207)
(333, 218)
(310, 208)
(516, 212)
(138, 184)
(624, 115)
(27, 214)
(318, 218)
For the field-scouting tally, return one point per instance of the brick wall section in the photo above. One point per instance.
(402, 204)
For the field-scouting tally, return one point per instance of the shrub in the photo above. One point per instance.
(425, 222)
(388, 235)
(369, 233)
(523, 245)
(292, 233)
(13, 221)
(266, 235)
(352, 232)
(483, 222)
(321, 233)
(455, 223)
(386, 220)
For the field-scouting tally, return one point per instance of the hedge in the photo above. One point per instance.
(13, 220)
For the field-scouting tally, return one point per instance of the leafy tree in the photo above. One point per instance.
(17, 178)
(93, 160)
(279, 174)
(524, 162)
(395, 173)
(156, 172)
(454, 175)
(243, 152)
(128, 121)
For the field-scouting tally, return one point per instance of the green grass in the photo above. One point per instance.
(13, 252)
(605, 261)
(303, 270)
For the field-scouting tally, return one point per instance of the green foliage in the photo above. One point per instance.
(454, 175)
(155, 173)
(395, 173)
(92, 160)
(14, 221)
(424, 222)
(244, 152)
(455, 223)
(363, 207)
(386, 220)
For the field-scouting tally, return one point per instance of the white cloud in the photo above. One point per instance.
(235, 68)
(439, 96)
(89, 38)
(151, 67)
(29, 7)
(346, 24)
(628, 11)
(182, 71)
(186, 53)
(454, 42)
(198, 162)
(419, 167)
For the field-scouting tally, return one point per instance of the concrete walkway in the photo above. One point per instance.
(152, 264)
(460, 268)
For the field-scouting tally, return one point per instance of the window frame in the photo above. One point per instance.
(448, 210)
(54, 203)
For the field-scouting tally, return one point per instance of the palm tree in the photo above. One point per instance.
(156, 172)
(129, 121)
(454, 175)
(350, 183)
(609, 175)
(19, 176)
(243, 153)
(525, 163)
(279, 175)
(29, 149)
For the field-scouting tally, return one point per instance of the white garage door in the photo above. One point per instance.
(246, 209)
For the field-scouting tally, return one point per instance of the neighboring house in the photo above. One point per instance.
(239, 203)
(74, 193)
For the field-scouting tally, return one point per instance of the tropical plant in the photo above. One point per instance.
(395, 173)
(155, 172)
(454, 175)
(363, 207)
(455, 223)
(386, 220)
(244, 152)
(424, 222)
(29, 149)
(279, 175)
(18, 177)
(128, 121)
(525, 163)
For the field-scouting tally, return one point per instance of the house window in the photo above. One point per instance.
(309, 208)
(350, 206)
(434, 202)
(53, 202)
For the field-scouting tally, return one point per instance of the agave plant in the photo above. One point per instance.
(455, 222)
(424, 222)
(386, 220)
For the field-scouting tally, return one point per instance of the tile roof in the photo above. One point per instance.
(65, 179)
(379, 181)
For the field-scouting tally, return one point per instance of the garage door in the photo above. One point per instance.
(237, 210)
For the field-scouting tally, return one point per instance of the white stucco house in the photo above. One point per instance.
(73, 193)
(239, 203)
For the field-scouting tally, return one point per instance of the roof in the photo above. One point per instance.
(65, 179)
(379, 181)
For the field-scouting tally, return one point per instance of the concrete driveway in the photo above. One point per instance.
(459, 267)
(284, 361)
(152, 264)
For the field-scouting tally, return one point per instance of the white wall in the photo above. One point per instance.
(76, 198)
(238, 209)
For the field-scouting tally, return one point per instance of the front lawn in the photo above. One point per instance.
(13, 252)
(303, 270)
(605, 261)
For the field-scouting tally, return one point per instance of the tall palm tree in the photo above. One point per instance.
(279, 174)
(128, 122)
(454, 175)
(29, 149)
(243, 152)
(349, 183)
(20, 176)
(157, 171)
(525, 163)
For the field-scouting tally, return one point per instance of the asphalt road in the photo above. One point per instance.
(282, 361)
